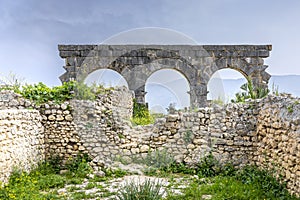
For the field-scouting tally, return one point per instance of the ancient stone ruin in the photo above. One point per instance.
(197, 63)
(262, 132)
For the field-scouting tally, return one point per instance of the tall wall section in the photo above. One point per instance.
(21, 135)
(278, 134)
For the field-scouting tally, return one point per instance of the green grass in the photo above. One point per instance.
(226, 188)
(41, 182)
(218, 181)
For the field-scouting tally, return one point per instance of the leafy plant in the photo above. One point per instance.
(41, 93)
(188, 136)
(290, 108)
(78, 166)
(148, 190)
(179, 168)
(22, 185)
(141, 114)
(250, 92)
(116, 173)
(158, 158)
(263, 180)
(208, 167)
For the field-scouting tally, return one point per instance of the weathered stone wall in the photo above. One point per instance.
(278, 135)
(11, 100)
(264, 132)
(21, 140)
(228, 132)
(61, 137)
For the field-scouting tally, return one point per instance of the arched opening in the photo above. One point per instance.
(165, 87)
(224, 84)
(106, 77)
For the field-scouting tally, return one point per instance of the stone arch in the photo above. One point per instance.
(218, 89)
(138, 65)
(169, 93)
(250, 68)
(200, 62)
(105, 73)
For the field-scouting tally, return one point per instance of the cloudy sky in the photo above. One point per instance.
(30, 30)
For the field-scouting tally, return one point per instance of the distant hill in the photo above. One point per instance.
(288, 84)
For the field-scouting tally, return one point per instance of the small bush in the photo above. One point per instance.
(149, 190)
(208, 167)
(116, 173)
(157, 159)
(179, 168)
(141, 114)
(41, 93)
(49, 181)
(250, 92)
(79, 167)
(264, 180)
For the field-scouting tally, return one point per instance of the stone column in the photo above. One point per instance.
(259, 81)
(198, 96)
(140, 95)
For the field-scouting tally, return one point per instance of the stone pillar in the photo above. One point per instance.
(259, 81)
(140, 95)
(198, 96)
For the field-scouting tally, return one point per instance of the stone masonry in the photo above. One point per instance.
(265, 133)
(21, 140)
(197, 63)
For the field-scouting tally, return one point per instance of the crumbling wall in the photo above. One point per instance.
(265, 133)
(21, 141)
(278, 145)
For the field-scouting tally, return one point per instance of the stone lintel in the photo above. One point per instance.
(183, 50)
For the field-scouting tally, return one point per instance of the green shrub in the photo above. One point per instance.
(208, 167)
(158, 158)
(51, 165)
(116, 173)
(149, 190)
(141, 114)
(264, 180)
(41, 93)
(49, 181)
(78, 166)
(179, 168)
(250, 92)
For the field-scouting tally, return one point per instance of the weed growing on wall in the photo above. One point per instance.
(250, 92)
(158, 158)
(11, 82)
(41, 93)
(78, 166)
